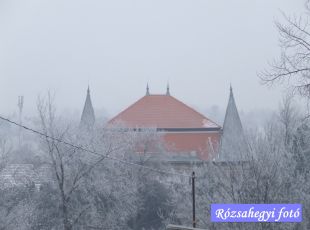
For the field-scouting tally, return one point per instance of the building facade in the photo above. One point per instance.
(184, 130)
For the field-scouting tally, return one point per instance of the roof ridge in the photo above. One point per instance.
(126, 109)
(186, 108)
(194, 110)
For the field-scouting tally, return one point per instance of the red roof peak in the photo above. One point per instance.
(162, 111)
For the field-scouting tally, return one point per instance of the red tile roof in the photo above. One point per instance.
(162, 111)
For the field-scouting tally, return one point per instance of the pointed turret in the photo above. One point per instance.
(168, 90)
(233, 143)
(88, 115)
(147, 90)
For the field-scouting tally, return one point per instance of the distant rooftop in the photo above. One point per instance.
(162, 111)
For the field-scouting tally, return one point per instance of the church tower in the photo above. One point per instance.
(88, 116)
(233, 143)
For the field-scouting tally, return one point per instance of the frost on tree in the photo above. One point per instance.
(88, 116)
(233, 143)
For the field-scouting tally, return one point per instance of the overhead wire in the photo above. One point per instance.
(93, 152)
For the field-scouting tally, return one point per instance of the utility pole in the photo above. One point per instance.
(194, 203)
(20, 105)
(176, 227)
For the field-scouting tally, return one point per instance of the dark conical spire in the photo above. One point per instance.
(232, 113)
(168, 90)
(88, 115)
(147, 90)
(233, 143)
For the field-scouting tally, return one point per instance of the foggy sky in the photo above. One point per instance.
(117, 46)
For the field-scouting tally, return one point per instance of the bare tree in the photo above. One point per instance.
(267, 176)
(94, 189)
(293, 65)
(70, 165)
(15, 202)
(289, 117)
(5, 149)
(6, 145)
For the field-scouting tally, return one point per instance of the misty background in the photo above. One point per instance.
(117, 47)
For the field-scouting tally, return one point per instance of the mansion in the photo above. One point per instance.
(187, 134)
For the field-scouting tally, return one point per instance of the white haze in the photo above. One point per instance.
(199, 46)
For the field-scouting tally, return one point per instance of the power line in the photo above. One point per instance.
(93, 152)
